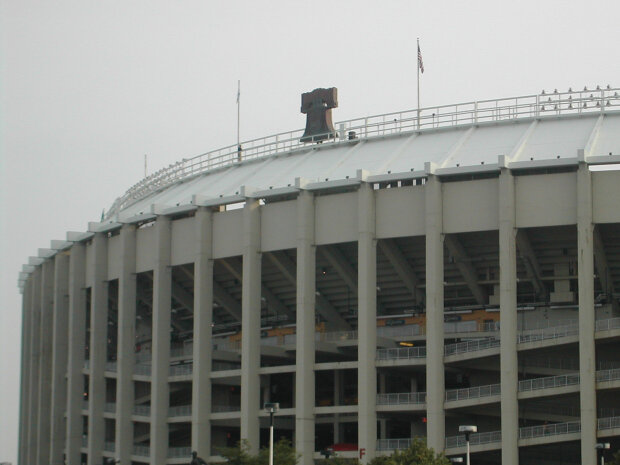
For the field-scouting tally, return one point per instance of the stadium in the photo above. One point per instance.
(398, 277)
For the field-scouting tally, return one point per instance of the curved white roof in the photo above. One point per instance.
(530, 131)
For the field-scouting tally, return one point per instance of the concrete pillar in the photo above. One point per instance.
(305, 350)
(508, 319)
(60, 349)
(337, 401)
(125, 360)
(250, 325)
(77, 334)
(435, 378)
(35, 367)
(98, 348)
(45, 379)
(160, 368)
(24, 406)
(587, 353)
(203, 318)
(367, 322)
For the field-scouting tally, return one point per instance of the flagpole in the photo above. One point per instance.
(418, 67)
(238, 119)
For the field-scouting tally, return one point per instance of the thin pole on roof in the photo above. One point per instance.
(238, 119)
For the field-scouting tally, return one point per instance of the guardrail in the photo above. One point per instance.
(182, 351)
(111, 366)
(605, 325)
(471, 346)
(180, 411)
(608, 375)
(109, 446)
(84, 440)
(141, 451)
(225, 408)
(549, 430)
(180, 370)
(473, 392)
(400, 398)
(553, 332)
(512, 108)
(608, 423)
(401, 353)
(393, 444)
(140, 369)
(142, 410)
(176, 452)
(474, 439)
(109, 407)
(548, 382)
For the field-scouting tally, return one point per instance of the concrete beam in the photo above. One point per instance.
(221, 296)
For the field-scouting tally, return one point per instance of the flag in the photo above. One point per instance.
(420, 63)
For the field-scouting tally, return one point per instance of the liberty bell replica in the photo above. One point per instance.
(317, 106)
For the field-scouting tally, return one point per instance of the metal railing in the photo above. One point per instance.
(608, 423)
(109, 446)
(608, 375)
(141, 451)
(335, 336)
(142, 410)
(393, 444)
(400, 398)
(84, 440)
(401, 353)
(111, 366)
(470, 346)
(548, 382)
(473, 392)
(219, 408)
(84, 405)
(180, 370)
(512, 108)
(109, 407)
(184, 350)
(605, 325)
(553, 332)
(400, 331)
(180, 411)
(474, 439)
(141, 369)
(549, 430)
(176, 452)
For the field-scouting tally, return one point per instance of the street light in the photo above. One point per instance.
(468, 430)
(600, 450)
(271, 407)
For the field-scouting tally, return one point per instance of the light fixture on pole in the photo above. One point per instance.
(271, 407)
(468, 430)
(601, 447)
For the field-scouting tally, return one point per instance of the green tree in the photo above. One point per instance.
(615, 459)
(283, 454)
(238, 455)
(418, 453)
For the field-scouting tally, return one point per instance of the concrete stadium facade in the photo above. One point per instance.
(413, 275)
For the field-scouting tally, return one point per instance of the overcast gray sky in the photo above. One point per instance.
(88, 87)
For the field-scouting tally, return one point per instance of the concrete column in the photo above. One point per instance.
(587, 353)
(367, 322)
(508, 319)
(24, 406)
(306, 288)
(35, 367)
(160, 368)
(125, 359)
(77, 334)
(435, 378)
(60, 349)
(203, 318)
(45, 379)
(250, 325)
(98, 348)
(337, 401)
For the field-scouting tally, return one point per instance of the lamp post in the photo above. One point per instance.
(468, 430)
(600, 450)
(271, 407)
